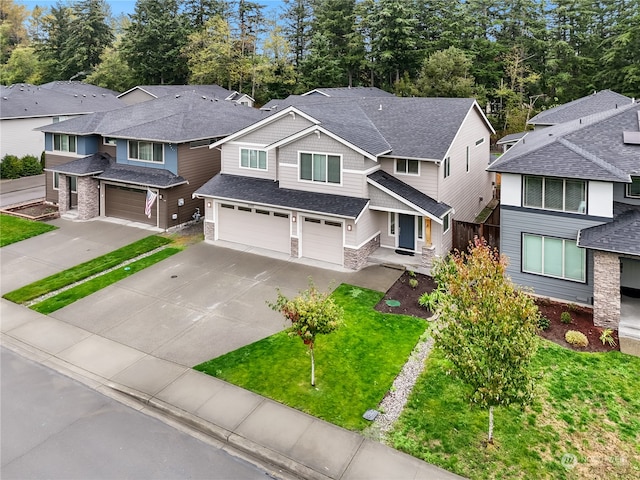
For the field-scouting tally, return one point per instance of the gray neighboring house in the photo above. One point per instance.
(582, 107)
(25, 107)
(144, 93)
(105, 164)
(570, 215)
(337, 178)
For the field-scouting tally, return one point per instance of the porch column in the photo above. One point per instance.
(88, 198)
(606, 289)
(63, 193)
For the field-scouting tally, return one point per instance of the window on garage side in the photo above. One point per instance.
(146, 151)
(64, 143)
(407, 167)
(553, 257)
(320, 167)
(256, 159)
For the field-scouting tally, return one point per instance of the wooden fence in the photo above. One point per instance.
(465, 232)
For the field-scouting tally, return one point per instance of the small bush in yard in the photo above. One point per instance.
(576, 338)
(607, 337)
(544, 323)
(565, 317)
(413, 282)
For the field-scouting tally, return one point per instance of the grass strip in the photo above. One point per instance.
(86, 269)
(588, 406)
(355, 366)
(87, 288)
(15, 229)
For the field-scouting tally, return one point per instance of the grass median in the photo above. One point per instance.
(85, 270)
(15, 229)
(355, 366)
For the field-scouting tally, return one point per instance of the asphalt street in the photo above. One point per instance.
(56, 428)
(21, 190)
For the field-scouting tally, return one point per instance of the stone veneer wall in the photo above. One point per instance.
(357, 258)
(209, 230)
(63, 194)
(294, 247)
(88, 198)
(606, 289)
(428, 254)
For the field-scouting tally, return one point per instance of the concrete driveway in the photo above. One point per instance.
(196, 305)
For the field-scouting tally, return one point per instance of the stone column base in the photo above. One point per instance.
(355, 259)
(428, 255)
(88, 198)
(294, 247)
(209, 230)
(606, 290)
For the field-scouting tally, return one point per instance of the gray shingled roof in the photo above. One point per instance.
(77, 88)
(512, 137)
(357, 92)
(410, 194)
(622, 235)
(214, 91)
(597, 102)
(144, 176)
(25, 101)
(268, 193)
(176, 119)
(82, 167)
(412, 127)
(591, 148)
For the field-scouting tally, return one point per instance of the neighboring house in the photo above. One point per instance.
(595, 103)
(104, 164)
(25, 107)
(510, 140)
(346, 92)
(570, 211)
(144, 93)
(334, 179)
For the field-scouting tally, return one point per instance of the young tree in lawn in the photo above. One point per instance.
(311, 313)
(488, 328)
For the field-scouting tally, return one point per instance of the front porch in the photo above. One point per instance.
(388, 257)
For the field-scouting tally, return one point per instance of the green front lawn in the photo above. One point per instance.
(85, 270)
(588, 405)
(355, 366)
(14, 229)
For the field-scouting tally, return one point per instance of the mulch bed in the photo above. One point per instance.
(581, 317)
(34, 211)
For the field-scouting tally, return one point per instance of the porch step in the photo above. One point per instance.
(629, 330)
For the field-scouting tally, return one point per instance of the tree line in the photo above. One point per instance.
(515, 56)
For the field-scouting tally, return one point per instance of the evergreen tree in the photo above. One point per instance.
(199, 11)
(152, 43)
(446, 74)
(112, 72)
(51, 46)
(297, 27)
(12, 28)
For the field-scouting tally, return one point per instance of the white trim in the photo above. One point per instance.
(261, 123)
(315, 90)
(564, 241)
(364, 210)
(327, 155)
(397, 172)
(402, 200)
(435, 160)
(137, 88)
(390, 223)
(152, 148)
(475, 106)
(448, 214)
(250, 144)
(357, 247)
(266, 160)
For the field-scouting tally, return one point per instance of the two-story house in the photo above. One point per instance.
(570, 213)
(144, 93)
(112, 164)
(336, 178)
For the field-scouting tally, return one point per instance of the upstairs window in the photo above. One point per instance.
(256, 159)
(447, 167)
(320, 167)
(64, 143)
(146, 151)
(557, 194)
(633, 188)
(407, 167)
(109, 141)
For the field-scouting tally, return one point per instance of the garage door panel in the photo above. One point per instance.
(128, 203)
(254, 227)
(322, 240)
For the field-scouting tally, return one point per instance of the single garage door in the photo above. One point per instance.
(322, 240)
(255, 227)
(128, 203)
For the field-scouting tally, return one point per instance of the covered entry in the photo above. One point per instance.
(256, 227)
(322, 240)
(129, 204)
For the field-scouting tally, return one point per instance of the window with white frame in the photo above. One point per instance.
(320, 167)
(633, 188)
(407, 167)
(553, 257)
(392, 224)
(251, 158)
(480, 141)
(64, 143)
(446, 223)
(447, 167)
(548, 193)
(73, 182)
(467, 159)
(420, 228)
(146, 151)
(109, 141)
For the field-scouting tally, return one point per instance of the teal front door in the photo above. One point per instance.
(407, 234)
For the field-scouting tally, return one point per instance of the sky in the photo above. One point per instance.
(123, 6)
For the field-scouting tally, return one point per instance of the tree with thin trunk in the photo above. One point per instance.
(311, 313)
(488, 328)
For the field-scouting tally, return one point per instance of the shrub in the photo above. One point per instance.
(544, 323)
(412, 274)
(413, 282)
(576, 338)
(10, 167)
(607, 337)
(30, 166)
(565, 317)
(43, 160)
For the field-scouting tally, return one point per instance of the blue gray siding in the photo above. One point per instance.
(170, 157)
(516, 221)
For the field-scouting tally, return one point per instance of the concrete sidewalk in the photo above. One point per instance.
(266, 430)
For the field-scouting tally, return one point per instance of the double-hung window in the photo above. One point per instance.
(407, 167)
(250, 158)
(633, 188)
(64, 143)
(320, 167)
(548, 193)
(553, 257)
(146, 151)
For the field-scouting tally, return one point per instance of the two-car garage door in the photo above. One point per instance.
(128, 203)
(255, 227)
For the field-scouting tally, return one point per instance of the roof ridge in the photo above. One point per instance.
(594, 159)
